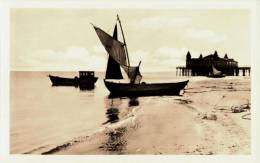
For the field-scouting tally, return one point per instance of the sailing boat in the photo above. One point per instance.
(118, 57)
(216, 73)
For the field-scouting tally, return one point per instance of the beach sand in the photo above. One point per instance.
(200, 122)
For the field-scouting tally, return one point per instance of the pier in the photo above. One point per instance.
(183, 71)
(239, 71)
(203, 66)
(245, 71)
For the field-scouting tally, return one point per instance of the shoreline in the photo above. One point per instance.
(175, 125)
(45, 150)
(199, 122)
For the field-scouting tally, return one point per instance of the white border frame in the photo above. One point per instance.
(5, 157)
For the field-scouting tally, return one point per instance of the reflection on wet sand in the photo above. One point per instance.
(114, 105)
(116, 138)
(116, 141)
(112, 115)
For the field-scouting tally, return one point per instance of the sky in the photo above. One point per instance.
(64, 40)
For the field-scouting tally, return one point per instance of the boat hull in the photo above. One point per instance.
(82, 83)
(143, 89)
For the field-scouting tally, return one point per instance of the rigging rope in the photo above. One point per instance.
(234, 108)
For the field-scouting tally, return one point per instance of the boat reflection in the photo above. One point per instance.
(112, 115)
(112, 112)
(114, 105)
(83, 87)
(116, 141)
(133, 101)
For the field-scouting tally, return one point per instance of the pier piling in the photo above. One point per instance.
(183, 71)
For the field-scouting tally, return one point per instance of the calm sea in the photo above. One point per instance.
(43, 116)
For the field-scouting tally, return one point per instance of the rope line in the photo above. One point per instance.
(234, 108)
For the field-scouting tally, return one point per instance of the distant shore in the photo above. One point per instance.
(200, 122)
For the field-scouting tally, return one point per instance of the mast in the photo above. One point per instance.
(123, 40)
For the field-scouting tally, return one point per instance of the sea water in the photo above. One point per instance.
(43, 116)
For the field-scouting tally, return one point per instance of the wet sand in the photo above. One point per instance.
(200, 122)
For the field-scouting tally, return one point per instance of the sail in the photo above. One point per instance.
(117, 53)
(138, 77)
(114, 48)
(113, 68)
(215, 71)
(133, 74)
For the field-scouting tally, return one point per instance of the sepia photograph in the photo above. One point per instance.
(130, 81)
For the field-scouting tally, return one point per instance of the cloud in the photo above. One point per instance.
(139, 55)
(76, 58)
(158, 22)
(99, 49)
(72, 58)
(162, 59)
(205, 35)
(172, 53)
(171, 57)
